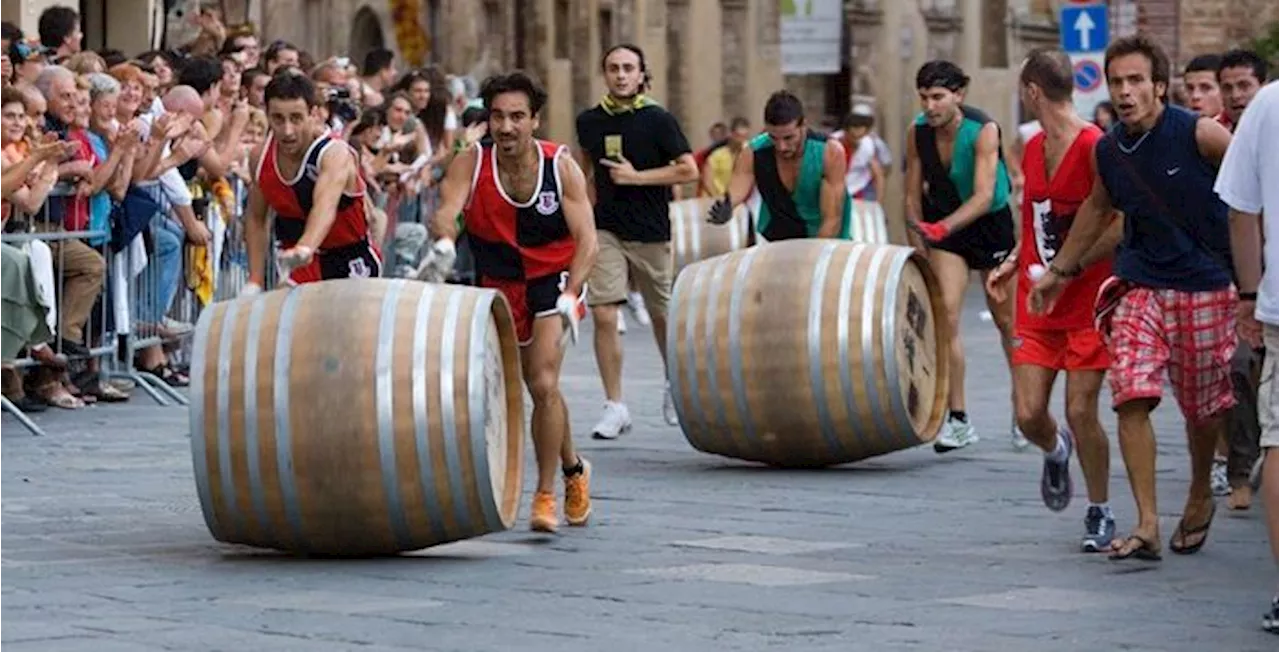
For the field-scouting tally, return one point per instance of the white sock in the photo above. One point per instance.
(1059, 453)
(1105, 507)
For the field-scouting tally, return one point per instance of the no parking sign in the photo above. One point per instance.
(1090, 82)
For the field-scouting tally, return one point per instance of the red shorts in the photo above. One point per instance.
(1189, 334)
(1075, 350)
(529, 299)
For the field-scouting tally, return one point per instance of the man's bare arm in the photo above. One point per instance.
(588, 172)
(684, 170)
(581, 220)
(337, 166)
(1106, 245)
(1212, 140)
(1246, 249)
(834, 193)
(914, 189)
(1087, 227)
(743, 178)
(455, 189)
(985, 167)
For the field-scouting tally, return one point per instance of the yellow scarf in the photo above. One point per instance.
(615, 107)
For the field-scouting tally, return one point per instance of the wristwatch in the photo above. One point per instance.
(1247, 296)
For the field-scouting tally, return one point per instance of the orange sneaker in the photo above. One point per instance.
(577, 495)
(544, 517)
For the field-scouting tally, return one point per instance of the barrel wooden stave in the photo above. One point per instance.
(757, 375)
(392, 420)
(869, 223)
(694, 239)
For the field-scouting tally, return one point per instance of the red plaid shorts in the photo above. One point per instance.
(1191, 334)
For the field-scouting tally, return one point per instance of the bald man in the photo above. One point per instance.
(183, 99)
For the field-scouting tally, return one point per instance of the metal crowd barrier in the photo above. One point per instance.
(45, 243)
(138, 307)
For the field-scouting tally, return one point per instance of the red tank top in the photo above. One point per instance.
(513, 240)
(1048, 208)
(291, 199)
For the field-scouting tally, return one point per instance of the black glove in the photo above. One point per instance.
(721, 211)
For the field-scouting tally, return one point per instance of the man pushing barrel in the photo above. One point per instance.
(800, 175)
(533, 238)
(311, 181)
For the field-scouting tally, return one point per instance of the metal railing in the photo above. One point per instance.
(63, 262)
(154, 285)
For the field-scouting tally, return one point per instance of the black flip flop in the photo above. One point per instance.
(1146, 552)
(1182, 532)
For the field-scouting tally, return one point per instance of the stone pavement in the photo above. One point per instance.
(104, 550)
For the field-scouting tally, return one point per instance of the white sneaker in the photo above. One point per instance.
(622, 323)
(615, 422)
(635, 303)
(955, 434)
(1018, 439)
(1218, 480)
(669, 407)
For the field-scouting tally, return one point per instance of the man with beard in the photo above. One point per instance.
(1241, 74)
(312, 183)
(958, 199)
(1171, 305)
(800, 175)
(637, 152)
(529, 225)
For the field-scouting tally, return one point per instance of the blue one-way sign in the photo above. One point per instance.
(1084, 28)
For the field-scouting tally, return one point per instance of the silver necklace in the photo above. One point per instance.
(1130, 150)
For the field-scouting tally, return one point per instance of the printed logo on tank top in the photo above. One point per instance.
(548, 203)
(1050, 229)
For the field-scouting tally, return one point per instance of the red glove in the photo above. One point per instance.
(934, 232)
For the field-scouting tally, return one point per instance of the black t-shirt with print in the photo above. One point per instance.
(650, 138)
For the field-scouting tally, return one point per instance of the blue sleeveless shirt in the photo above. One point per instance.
(1176, 232)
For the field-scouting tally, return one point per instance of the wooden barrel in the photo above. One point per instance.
(694, 239)
(869, 225)
(357, 417)
(808, 352)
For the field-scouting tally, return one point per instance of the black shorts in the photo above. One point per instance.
(529, 299)
(985, 243)
(356, 260)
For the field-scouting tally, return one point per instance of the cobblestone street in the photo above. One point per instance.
(105, 550)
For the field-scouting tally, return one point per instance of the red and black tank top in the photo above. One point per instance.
(291, 198)
(518, 240)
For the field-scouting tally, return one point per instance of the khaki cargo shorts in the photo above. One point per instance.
(617, 262)
(1267, 397)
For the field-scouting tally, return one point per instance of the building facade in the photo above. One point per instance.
(709, 59)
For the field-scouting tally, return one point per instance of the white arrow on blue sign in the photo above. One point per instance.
(1084, 28)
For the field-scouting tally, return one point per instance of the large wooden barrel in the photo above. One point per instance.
(694, 239)
(808, 352)
(868, 223)
(357, 417)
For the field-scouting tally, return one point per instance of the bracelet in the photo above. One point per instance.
(1247, 296)
(1075, 271)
